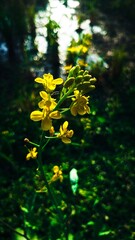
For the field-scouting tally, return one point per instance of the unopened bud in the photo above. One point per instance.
(74, 71)
(93, 80)
(68, 82)
(85, 87)
(87, 77)
(86, 72)
(78, 79)
(26, 140)
(81, 72)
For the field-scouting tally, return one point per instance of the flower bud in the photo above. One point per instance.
(93, 80)
(78, 79)
(86, 72)
(85, 87)
(87, 77)
(74, 71)
(81, 72)
(68, 82)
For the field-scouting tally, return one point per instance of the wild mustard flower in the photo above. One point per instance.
(46, 99)
(49, 83)
(45, 116)
(47, 104)
(32, 153)
(80, 104)
(64, 133)
(57, 174)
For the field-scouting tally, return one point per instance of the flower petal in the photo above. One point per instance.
(66, 140)
(46, 124)
(44, 95)
(65, 125)
(36, 115)
(48, 76)
(73, 110)
(55, 115)
(39, 80)
(58, 81)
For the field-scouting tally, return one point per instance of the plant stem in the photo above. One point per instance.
(65, 96)
(15, 231)
(50, 190)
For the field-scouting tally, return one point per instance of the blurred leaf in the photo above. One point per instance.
(90, 223)
(105, 233)
(96, 201)
(24, 209)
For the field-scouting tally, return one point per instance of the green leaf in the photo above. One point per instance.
(101, 119)
(24, 209)
(90, 223)
(96, 202)
(105, 233)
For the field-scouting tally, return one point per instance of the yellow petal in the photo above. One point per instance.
(73, 110)
(58, 81)
(55, 115)
(55, 169)
(46, 124)
(65, 125)
(70, 133)
(28, 156)
(48, 76)
(39, 80)
(66, 140)
(41, 104)
(44, 95)
(36, 115)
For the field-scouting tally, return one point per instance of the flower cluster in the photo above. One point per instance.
(77, 84)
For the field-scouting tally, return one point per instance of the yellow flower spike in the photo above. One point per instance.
(49, 82)
(64, 133)
(57, 174)
(32, 154)
(80, 104)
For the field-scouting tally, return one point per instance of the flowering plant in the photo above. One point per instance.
(73, 95)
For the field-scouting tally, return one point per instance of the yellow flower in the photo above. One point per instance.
(32, 154)
(46, 100)
(48, 82)
(46, 116)
(78, 49)
(80, 104)
(57, 174)
(64, 133)
(82, 63)
(67, 67)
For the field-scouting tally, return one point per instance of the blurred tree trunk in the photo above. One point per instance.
(16, 23)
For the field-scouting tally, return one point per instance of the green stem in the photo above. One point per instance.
(50, 191)
(15, 231)
(65, 96)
